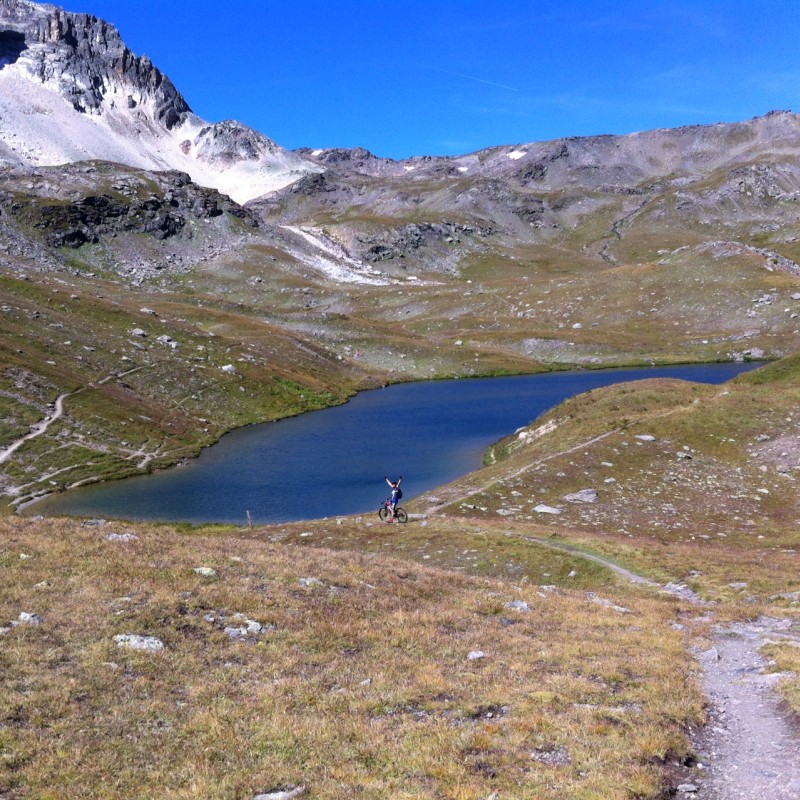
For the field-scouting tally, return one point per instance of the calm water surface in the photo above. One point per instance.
(333, 461)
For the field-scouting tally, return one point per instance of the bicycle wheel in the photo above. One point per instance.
(400, 515)
(384, 514)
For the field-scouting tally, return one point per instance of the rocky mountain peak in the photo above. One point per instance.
(86, 60)
(71, 90)
(229, 142)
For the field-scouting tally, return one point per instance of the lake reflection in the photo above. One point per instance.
(333, 461)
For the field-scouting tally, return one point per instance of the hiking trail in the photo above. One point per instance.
(749, 748)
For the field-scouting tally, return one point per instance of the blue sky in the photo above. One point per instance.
(407, 77)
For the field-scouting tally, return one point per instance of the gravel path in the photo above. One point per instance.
(751, 750)
(37, 429)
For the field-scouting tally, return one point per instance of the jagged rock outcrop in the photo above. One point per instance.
(398, 242)
(156, 204)
(86, 59)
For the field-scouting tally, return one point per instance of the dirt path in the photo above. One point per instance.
(37, 429)
(568, 548)
(58, 411)
(676, 589)
(463, 492)
(751, 749)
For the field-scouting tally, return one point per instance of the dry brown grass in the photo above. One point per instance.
(360, 685)
(785, 657)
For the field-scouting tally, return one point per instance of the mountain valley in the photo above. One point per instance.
(546, 621)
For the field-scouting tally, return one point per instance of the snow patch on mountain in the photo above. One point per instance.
(39, 127)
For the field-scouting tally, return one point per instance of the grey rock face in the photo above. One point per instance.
(57, 55)
(87, 59)
(230, 142)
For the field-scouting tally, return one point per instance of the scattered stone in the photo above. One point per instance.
(148, 311)
(459, 343)
(282, 794)
(249, 628)
(794, 596)
(795, 295)
(583, 496)
(24, 556)
(26, 618)
(206, 572)
(545, 509)
(309, 582)
(92, 523)
(644, 437)
(687, 788)
(602, 601)
(138, 332)
(738, 585)
(132, 641)
(169, 341)
(683, 591)
(552, 756)
(684, 456)
(710, 655)
(475, 655)
(121, 537)
(229, 369)
(770, 678)
(518, 605)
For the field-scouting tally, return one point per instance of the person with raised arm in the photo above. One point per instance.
(397, 493)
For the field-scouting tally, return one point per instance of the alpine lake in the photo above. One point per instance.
(333, 462)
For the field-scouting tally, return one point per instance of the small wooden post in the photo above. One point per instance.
(249, 520)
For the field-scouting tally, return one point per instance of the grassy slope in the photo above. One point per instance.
(360, 683)
(136, 403)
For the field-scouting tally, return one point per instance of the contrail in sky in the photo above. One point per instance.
(479, 80)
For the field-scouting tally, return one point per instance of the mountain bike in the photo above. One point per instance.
(385, 512)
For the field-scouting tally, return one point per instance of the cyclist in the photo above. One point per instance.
(396, 494)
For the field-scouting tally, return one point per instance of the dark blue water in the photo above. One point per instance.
(332, 462)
